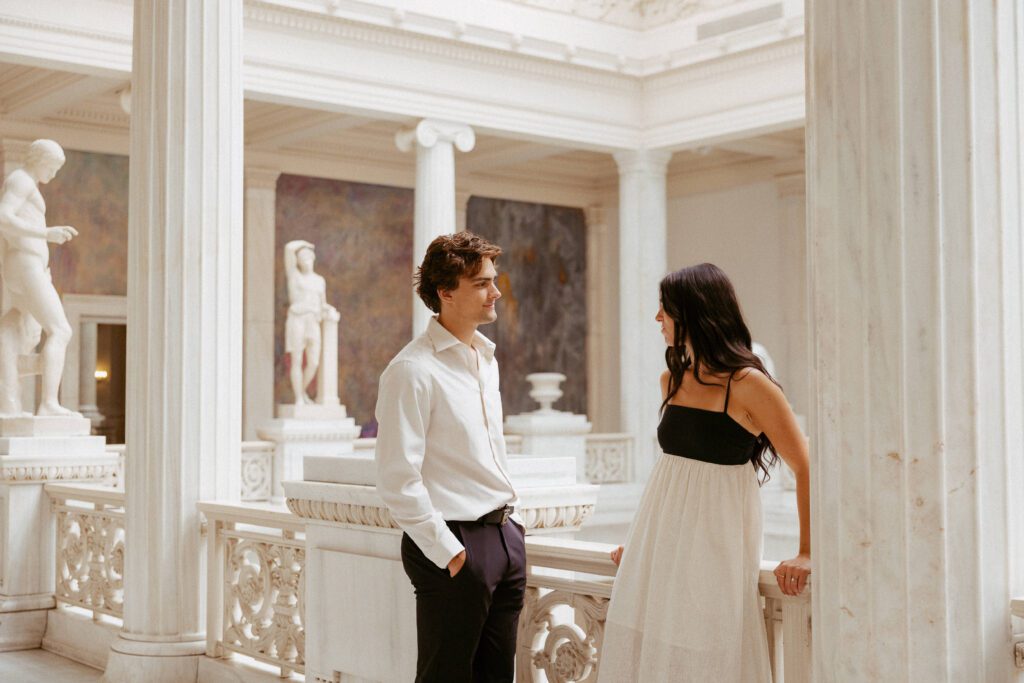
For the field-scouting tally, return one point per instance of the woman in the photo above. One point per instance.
(685, 606)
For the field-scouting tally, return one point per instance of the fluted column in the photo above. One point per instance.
(87, 373)
(185, 307)
(258, 337)
(914, 195)
(792, 192)
(435, 142)
(602, 394)
(642, 264)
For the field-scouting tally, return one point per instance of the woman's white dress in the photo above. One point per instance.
(685, 606)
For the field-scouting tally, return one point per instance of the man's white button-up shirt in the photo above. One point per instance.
(440, 445)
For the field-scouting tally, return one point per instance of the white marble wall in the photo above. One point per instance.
(914, 189)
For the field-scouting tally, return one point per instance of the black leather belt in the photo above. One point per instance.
(499, 516)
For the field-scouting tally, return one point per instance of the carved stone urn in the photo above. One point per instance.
(546, 389)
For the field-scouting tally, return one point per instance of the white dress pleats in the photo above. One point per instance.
(685, 607)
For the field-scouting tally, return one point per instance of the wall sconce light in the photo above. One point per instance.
(101, 374)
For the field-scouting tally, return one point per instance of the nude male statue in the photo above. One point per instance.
(24, 267)
(307, 306)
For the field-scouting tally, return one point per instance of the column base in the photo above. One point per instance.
(154, 662)
(22, 630)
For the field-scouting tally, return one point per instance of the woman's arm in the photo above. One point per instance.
(768, 411)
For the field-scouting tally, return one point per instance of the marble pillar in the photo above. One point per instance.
(434, 212)
(914, 194)
(87, 373)
(642, 264)
(461, 208)
(258, 315)
(793, 358)
(184, 373)
(602, 392)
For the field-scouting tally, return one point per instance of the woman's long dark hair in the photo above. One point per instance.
(702, 303)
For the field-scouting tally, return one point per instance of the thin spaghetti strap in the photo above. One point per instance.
(728, 386)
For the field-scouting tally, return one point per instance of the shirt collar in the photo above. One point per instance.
(443, 339)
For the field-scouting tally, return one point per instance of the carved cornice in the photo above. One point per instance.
(553, 517)
(34, 473)
(336, 27)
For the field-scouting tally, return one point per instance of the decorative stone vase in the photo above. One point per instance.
(545, 389)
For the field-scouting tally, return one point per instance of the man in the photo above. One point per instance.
(307, 306)
(33, 301)
(442, 470)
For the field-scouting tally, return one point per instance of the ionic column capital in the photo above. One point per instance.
(642, 161)
(429, 132)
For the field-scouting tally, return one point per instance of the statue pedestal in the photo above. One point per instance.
(552, 433)
(354, 564)
(35, 451)
(306, 429)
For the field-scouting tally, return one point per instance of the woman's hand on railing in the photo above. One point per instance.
(792, 574)
(617, 555)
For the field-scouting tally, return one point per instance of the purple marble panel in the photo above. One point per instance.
(542, 315)
(90, 193)
(363, 238)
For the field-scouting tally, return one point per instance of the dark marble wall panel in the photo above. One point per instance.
(363, 238)
(90, 193)
(542, 316)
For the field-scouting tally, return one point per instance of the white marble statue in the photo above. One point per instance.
(307, 308)
(32, 303)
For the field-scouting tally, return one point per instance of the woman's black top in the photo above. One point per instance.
(705, 435)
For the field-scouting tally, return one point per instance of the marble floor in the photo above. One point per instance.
(38, 666)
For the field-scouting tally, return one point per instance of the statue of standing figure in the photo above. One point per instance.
(32, 302)
(307, 308)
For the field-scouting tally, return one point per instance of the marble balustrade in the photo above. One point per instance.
(256, 589)
(255, 564)
(90, 537)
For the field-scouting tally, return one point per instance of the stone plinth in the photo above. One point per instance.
(552, 433)
(354, 564)
(296, 437)
(27, 533)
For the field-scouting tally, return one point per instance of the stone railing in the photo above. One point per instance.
(609, 458)
(90, 547)
(255, 586)
(257, 470)
(569, 584)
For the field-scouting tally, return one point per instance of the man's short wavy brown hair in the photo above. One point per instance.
(448, 258)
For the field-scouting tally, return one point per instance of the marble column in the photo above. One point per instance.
(914, 194)
(87, 373)
(602, 398)
(258, 335)
(793, 273)
(14, 152)
(434, 214)
(461, 208)
(642, 264)
(185, 343)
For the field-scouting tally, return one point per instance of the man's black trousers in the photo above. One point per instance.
(466, 626)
